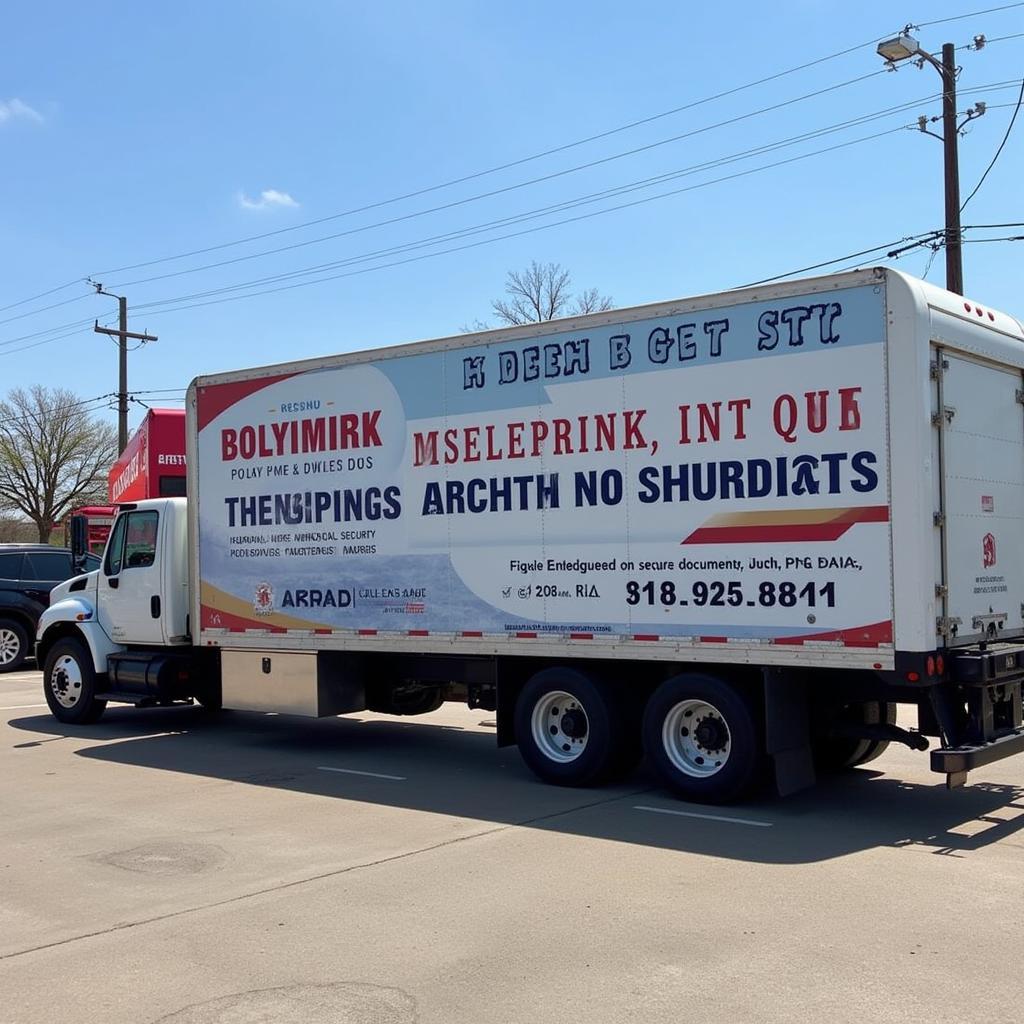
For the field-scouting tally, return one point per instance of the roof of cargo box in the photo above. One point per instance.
(964, 307)
(927, 295)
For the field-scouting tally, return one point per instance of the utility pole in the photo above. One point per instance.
(905, 46)
(951, 163)
(122, 334)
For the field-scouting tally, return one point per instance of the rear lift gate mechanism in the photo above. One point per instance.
(983, 722)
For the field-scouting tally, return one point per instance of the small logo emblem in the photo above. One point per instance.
(988, 551)
(263, 599)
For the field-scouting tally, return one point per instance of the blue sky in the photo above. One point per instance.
(132, 132)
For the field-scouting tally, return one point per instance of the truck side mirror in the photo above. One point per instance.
(79, 542)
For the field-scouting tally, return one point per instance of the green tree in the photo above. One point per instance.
(53, 455)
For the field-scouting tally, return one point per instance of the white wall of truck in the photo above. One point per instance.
(439, 578)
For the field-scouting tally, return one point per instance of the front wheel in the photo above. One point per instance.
(69, 682)
(701, 736)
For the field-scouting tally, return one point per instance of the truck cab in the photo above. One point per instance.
(122, 630)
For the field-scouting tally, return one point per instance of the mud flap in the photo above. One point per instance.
(787, 731)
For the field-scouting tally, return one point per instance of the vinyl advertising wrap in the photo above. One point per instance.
(719, 475)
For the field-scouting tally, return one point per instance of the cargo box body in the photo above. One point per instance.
(822, 473)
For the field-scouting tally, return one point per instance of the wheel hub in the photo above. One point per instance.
(574, 724)
(696, 738)
(66, 681)
(559, 726)
(711, 734)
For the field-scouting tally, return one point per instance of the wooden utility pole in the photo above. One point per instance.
(122, 334)
(950, 136)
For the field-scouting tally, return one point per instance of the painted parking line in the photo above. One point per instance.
(353, 771)
(19, 707)
(706, 817)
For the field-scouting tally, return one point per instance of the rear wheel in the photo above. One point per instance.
(568, 728)
(69, 682)
(837, 753)
(13, 645)
(702, 738)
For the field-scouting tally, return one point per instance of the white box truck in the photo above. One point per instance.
(732, 532)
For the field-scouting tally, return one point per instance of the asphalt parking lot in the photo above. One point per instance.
(171, 865)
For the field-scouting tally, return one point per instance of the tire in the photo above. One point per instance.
(69, 683)
(568, 728)
(876, 748)
(14, 648)
(210, 702)
(702, 737)
(837, 753)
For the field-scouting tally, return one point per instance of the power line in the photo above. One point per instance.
(504, 189)
(414, 259)
(185, 298)
(1009, 128)
(527, 231)
(970, 14)
(48, 330)
(838, 259)
(43, 309)
(45, 341)
(543, 211)
(719, 161)
(553, 208)
(41, 295)
(520, 161)
(499, 167)
(81, 404)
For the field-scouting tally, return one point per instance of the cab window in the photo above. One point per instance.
(115, 547)
(140, 540)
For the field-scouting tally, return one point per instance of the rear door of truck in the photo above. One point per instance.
(979, 424)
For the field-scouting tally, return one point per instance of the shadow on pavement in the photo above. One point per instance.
(447, 770)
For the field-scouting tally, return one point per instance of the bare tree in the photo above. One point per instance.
(16, 530)
(53, 455)
(543, 291)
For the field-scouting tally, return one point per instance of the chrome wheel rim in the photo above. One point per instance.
(10, 645)
(560, 726)
(696, 738)
(66, 681)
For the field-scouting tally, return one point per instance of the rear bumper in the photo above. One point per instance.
(954, 760)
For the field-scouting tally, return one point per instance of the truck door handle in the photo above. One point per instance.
(154, 606)
(114, 581)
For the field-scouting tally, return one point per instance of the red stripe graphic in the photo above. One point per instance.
(768, 528)
(213, 399)
(859, 636)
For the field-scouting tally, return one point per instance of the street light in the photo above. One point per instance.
(903, 47)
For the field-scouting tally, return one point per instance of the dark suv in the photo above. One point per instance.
(28, 572)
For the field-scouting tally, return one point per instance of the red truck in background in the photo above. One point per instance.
(151, 466)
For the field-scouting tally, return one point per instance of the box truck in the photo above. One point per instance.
(152, 465)
(731, 532)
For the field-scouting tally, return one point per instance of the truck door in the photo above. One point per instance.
(129, 585)
(980, 422)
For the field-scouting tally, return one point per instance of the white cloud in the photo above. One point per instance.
(267, 198)
(11, 109)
